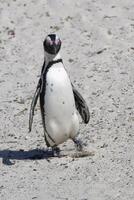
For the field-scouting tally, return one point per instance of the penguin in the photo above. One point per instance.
(59, 99)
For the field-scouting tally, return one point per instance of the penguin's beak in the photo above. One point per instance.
(55, 48)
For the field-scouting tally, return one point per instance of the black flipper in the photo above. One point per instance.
(33, 104)
(35, 98)
(81, 106)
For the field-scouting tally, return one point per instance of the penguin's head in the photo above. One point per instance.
(52, 44)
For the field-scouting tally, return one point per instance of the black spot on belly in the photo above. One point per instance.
(63, 102)
(51, 89)
(52, 84)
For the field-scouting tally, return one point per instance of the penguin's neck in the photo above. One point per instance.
(49, 58)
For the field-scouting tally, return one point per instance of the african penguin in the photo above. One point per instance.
(59, 100)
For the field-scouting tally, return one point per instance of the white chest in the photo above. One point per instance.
(61, 120)
(59, 98)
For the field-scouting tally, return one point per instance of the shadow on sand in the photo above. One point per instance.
(34, 154)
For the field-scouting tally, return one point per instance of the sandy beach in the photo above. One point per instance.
(98, 54)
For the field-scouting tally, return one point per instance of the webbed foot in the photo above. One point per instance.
(56, 151)
(79, 144)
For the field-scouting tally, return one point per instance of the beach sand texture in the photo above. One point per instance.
(98, 53)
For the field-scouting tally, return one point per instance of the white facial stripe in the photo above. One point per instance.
(57, 38)
(49, 41)
(57, 41)
(48, 38)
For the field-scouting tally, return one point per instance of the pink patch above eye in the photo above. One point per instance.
(57, 42)
(49, 42)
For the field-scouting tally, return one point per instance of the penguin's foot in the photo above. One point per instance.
(79, 144)
(56, 151)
